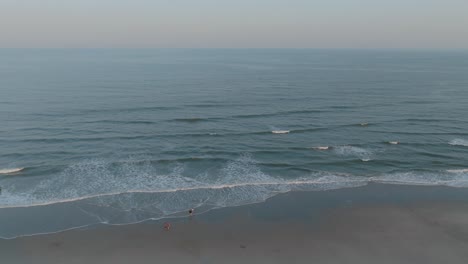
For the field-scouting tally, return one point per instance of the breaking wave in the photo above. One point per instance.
(459, 142)
(9, 171)
(96, 180)
(133, 190)
(321, 148)
(280, 131)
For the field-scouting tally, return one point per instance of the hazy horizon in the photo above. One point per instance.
(337, 24)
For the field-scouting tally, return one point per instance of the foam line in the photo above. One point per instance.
(458, 171)
(214, 187)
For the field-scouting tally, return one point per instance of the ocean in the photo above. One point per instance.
(120, 136)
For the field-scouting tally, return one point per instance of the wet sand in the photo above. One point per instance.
(421, 228)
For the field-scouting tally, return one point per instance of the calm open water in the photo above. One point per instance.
(121, 136)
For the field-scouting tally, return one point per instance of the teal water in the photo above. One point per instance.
(122, 136)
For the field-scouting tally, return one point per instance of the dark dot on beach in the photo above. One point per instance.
(56, 244)
(243, 246)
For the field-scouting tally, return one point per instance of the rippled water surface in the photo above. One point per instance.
(127, 135)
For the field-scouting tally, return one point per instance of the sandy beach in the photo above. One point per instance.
(281, 230)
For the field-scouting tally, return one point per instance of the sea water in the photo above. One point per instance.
(121, 136)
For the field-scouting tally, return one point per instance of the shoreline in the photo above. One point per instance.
(370, 224)
(63, 217)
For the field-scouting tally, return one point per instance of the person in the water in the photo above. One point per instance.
(191, 211)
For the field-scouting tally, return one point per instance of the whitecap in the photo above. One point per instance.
(9, 171)
(459, 142)
(280, 131)
(321, 148)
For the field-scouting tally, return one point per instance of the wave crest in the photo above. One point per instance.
(9, 171)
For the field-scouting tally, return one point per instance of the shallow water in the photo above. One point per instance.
(138, 134)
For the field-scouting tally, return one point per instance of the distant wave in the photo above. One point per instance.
(122, 122)
(217, 105)
(244, 116)
(9, 171)
(110, 110)
(288, 112)
(191, 120)
(122, 137)
(426, 120)
(342, 107)
(131, 109)
(459, 142)
(305, 130)
(418, 133)
(155, 135)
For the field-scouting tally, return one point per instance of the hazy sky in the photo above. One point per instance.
(235, 23)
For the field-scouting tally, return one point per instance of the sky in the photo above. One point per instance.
(411, 24)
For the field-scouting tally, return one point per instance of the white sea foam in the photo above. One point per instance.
(133, 193)
(280, 131)
(458, 171)
(321, 148)
(393, 142)
(239, 182)
(459, 142)
(136, 206)
(333, 182)
(425, 179)
(361, 153)
(8, 171)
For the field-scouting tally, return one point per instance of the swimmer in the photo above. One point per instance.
(191, 211)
